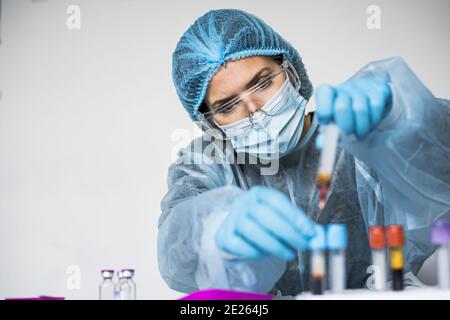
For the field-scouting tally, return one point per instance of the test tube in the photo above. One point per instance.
(440, 236)
(326, 165)
(395, 241)
(377, 244)
(337, 244)
(318, 245)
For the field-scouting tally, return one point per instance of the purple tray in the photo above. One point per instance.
(218, 294)
(37, 298)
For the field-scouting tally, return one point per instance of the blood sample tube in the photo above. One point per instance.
(395, 241)
(337, 244)
(378, 244)
(326, 164)
(440, 236)
(318, 245)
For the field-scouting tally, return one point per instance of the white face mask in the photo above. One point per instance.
(275, 129)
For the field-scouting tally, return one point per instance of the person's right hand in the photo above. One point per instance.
(264, 222)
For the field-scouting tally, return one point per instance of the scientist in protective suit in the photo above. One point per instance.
(230, 221)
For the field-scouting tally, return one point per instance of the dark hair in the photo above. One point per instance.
(204, 108)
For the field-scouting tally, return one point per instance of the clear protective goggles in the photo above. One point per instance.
(259, 95)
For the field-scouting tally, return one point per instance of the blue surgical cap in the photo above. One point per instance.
(220, 36)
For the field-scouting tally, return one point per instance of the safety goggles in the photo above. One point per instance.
(260, 94)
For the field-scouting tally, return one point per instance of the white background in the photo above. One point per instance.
(87, 116)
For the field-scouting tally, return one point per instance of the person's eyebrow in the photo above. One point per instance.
(253, 81)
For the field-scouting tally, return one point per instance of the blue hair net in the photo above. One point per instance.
(219, 36)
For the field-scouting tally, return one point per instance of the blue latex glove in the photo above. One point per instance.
(264, 222)
(356, 106)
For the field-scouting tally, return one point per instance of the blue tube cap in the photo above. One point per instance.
(337, 236)
(318, 241)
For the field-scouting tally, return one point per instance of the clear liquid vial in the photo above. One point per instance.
(127, 287)
(107, 287)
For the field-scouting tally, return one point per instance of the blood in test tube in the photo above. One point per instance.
(317, 245)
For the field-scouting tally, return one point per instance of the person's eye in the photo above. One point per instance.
(227, 109)
(265, 84)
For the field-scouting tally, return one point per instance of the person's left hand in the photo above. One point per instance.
(356, 106)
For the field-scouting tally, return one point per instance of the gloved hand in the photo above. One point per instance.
(356, 106)
(264, 222)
